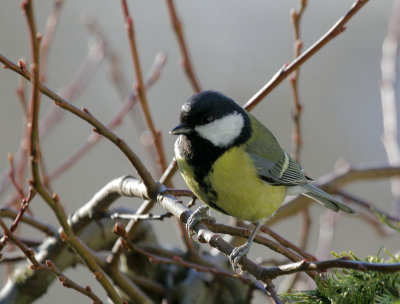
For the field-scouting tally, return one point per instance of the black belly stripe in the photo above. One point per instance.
(216, 207)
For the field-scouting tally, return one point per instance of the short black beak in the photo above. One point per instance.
(180, 129)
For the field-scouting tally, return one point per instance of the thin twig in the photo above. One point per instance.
(11, 176)
(145, 208)
(115, 121)
(294, 79)
(288, 244)
(273, 272)
(54, 115)
(134, 216)
(49, 266)
(34, 154)
(287, 69)
(51, 24)
(140, 88)
(363, 203)
(120, 231)
(334, 181)
(29, 220)
(186, 62)
(99, 127)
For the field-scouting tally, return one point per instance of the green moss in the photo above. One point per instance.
(349, 286)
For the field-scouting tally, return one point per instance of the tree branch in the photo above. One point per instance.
(287, 69)
(186, 62)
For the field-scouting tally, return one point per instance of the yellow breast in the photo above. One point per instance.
(241, 193)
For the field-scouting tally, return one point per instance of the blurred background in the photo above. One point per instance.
(235, 47)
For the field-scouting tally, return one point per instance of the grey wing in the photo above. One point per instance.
(286, 171)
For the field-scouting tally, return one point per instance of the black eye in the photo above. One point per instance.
(207, 119)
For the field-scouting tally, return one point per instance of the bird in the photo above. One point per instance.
(236, 166)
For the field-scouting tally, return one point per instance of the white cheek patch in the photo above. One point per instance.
(223, 131)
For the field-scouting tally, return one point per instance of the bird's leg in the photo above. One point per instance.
(238, 252)
(200, 214)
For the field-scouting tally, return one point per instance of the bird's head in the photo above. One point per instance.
(215, 118)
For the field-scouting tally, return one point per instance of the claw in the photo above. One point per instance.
(197, 216)
(239, 252)
(236, 254)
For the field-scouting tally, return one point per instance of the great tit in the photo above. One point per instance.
(235, 165)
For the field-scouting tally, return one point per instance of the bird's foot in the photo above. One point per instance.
(236, 254)
(200, 214)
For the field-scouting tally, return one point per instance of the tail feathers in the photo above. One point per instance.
(325, 199)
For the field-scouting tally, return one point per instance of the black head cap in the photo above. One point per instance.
(206, 107)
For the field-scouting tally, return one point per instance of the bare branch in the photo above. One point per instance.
(140, 88)
(287, 69)
(49, 266)
(186, 62)
(99, 127)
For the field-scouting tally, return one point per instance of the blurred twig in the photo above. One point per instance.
(29, 220)
(304, 230)
(114, 122)
(334, 181)
(98, 126)
(140, 88)
(49, 266)
(34, 154)
(51, 24)
(54, 114)
(294, 78)
(186, 62)
(390, 99)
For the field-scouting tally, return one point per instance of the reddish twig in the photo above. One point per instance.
(11, 176)
(294, 79)
(186, 62)
(296, 16)
(287, 69)
(175, 260)
(29, 220)
(288, 244)
(24, 206)
(99, 127)
(51, 24)
(146, 111)
(117, 77)
(53, 202)
(133, 225)
(54, 115)
(125, 108)
(140, 88)
(49, 266)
